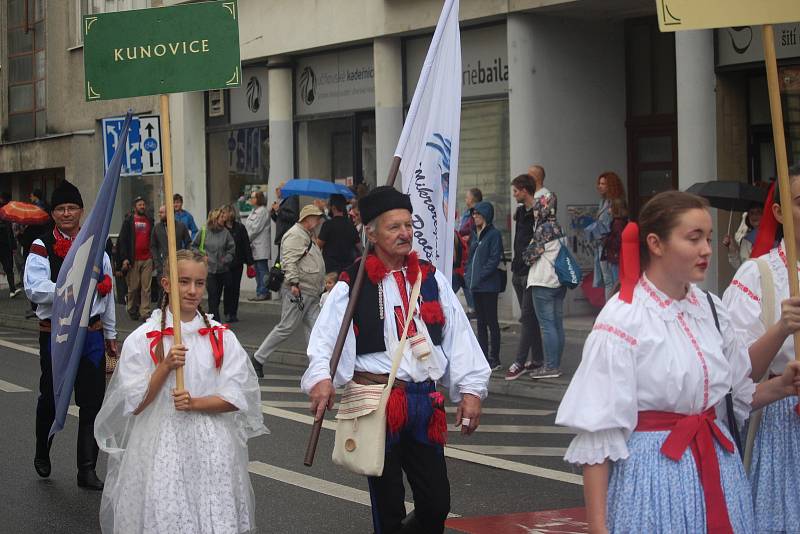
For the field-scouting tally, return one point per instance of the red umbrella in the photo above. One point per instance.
(23, 213)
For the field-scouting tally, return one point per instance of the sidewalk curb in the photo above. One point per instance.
(524, 387)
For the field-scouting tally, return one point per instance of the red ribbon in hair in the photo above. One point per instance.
(155, 336)
(767, 230)
(629, 265)
(215, 334)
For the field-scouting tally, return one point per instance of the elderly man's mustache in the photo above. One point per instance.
(402, 242)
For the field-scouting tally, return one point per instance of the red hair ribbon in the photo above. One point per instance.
(767, 230)
(629, 265)
(216, 342)
(155, 336)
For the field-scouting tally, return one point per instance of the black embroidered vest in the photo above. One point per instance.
(368, 325)
(55, 260)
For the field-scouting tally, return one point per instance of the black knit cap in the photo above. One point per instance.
(380, 200)
(66, 193)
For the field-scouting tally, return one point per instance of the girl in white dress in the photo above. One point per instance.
(768, 333)
(178, 459)
(648, 399)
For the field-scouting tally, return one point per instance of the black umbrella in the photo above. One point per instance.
(729, 195)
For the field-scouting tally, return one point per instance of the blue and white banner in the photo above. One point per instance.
(75, 286)
(428, 145)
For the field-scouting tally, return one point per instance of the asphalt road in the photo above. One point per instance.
(511, 467)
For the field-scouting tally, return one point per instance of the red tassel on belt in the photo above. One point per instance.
(698, 432)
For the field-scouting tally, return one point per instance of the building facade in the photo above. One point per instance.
(578, 86)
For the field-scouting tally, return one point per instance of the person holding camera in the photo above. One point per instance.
(304, 268)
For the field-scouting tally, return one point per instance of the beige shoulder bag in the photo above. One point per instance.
(360, 444)
(767, 319)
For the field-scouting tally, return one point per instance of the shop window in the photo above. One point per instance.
(484, 160)
(237, 160)
(27, 72)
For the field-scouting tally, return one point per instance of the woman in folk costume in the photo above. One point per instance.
(178, 459)
(649, 395)
(765, 318)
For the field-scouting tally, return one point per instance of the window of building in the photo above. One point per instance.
(92, 7)
(238, 159)
(484, 159)
(26, 66)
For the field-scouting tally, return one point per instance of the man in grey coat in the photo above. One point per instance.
(304, 267)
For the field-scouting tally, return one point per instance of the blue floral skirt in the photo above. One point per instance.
(775, 469)
(650, 493)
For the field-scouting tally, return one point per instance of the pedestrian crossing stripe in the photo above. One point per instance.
(304, 404)
(17, 346)
(8, 387)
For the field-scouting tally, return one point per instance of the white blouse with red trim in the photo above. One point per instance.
(653, 354)
(743, 299)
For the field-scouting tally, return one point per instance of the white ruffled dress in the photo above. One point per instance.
(658, 354)
(179, 472)
(776, 452)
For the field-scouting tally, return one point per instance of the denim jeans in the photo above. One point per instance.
(549, 305)
(610, 277)
(262, 268)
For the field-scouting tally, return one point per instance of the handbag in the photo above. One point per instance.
(276, 275)
(111, 363)
(567, 269)
(360, 443)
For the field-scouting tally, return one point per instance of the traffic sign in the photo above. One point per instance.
(677, 15)
(143, 152)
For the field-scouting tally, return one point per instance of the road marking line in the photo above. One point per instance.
(288, 378)
(17, 346)
(318, 485)
(8, 387)
(73, 410)
(450, 409)
(450, 452)
(287, 389)
(506, 450)
(524, 429)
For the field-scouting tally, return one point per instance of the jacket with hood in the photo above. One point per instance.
(485, 254)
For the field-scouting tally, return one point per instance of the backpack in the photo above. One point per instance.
(567, 269)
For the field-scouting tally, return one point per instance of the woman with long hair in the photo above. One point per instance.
(765, 317)
(178, 458)
(612, 215)
(648, 401)
(217, 244)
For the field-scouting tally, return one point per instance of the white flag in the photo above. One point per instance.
(428, 145)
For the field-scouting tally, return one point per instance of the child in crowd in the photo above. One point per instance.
(330, 281)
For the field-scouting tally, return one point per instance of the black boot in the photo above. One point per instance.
(87, 457)
(41, 462)
(257, 367)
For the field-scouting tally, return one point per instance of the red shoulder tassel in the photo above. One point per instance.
(629, 267)
(765, 237)
(396, 411)
(412, 266)
(104, 286)
(375, 269)
(437, 426)
(432, 312)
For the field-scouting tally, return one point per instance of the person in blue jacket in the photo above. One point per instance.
(483, 278)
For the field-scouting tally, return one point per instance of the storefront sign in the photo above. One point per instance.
(745, 44)
(484, 61)
(677, 15)
(190, 47)
(338, 81)
(249, 101)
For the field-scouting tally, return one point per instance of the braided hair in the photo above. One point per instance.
(180, 255)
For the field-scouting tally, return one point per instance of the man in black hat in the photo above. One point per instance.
(41, 272)
(442, 349)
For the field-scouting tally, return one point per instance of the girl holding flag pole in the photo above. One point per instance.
(178, 459)
(648, 400)
(766, 317)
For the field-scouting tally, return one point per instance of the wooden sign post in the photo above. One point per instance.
(193, 47)
(676, 15)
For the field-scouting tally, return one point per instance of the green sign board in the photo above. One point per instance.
(184, 48)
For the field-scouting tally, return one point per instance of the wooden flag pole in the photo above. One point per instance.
(781, 161)
(174, 293)
(344, 328)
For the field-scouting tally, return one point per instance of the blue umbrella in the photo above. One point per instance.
(311, 187)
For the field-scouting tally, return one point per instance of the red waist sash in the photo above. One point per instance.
(698, 432)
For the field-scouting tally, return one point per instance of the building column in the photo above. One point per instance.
(187, 126)
(388, 62)
(281, 136)
(697, 119)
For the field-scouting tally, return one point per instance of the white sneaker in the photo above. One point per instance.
(15, 292)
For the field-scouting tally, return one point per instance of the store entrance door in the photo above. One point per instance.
(652, 162)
